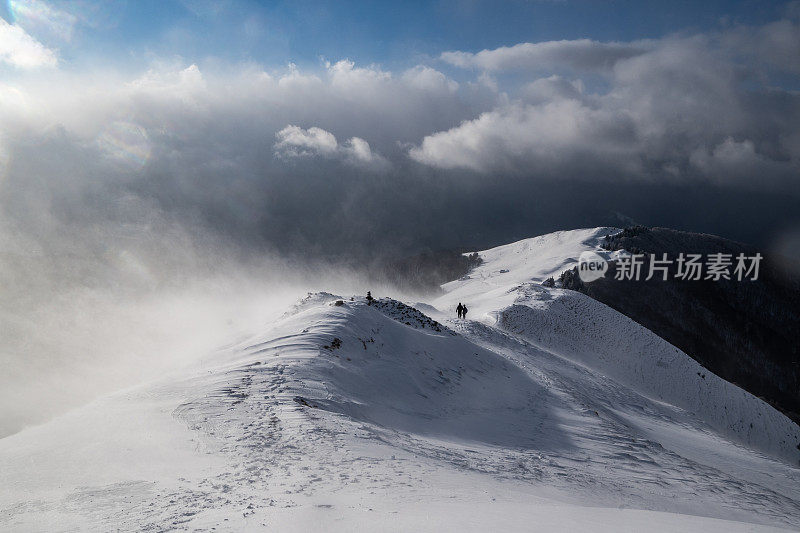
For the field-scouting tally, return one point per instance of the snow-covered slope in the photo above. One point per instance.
(506, 289)
(347, 416)
(494, 284)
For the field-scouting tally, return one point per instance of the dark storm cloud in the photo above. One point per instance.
(327, 162)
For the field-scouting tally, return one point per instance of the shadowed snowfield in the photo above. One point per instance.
(544, 410)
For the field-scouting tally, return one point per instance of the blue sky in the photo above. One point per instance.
(396, 34)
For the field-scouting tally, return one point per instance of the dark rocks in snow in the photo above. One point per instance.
(302, 401)
(335, 344)
(408, 315)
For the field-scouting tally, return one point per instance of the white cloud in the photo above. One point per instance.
(487, 80)
(298, 82)
(552, 88)
(346, 75)
(171, 83)
(294, 141)
(774, 45)
(19, 49)
(428, 79)
(359, 153)
(534, 139)
(579, 54)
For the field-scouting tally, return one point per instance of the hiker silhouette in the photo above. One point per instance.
(459, 309)
(464, 311)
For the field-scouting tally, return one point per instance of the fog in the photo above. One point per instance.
(83, 329)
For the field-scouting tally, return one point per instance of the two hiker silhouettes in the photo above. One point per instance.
(462, 310)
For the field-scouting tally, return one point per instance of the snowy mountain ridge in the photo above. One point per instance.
(544, 407)
(586, 331)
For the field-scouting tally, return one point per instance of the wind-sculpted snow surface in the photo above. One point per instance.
(348, 415)
(391, 366)
(589, 332)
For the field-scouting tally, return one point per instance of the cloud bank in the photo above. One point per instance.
(700, 107)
